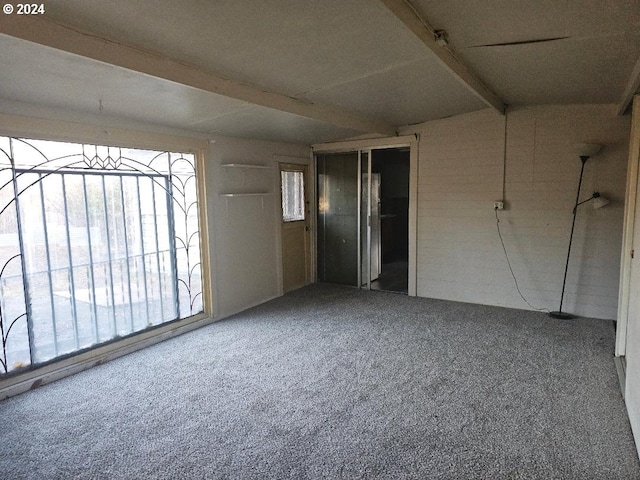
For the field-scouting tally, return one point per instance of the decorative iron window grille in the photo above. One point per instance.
(96, 243)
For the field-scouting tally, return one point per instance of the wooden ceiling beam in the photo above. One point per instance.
(61, 37)
(414, 21)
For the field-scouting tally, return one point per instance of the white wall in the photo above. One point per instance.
(246, 260)
(461, 166)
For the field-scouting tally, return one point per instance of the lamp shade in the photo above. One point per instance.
(600, 201)
(586, 149)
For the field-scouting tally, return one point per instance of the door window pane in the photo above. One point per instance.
(292, 196)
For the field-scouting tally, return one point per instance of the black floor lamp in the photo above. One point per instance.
(584, 151)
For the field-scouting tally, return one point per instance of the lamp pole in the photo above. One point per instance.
(560, 314)
(584, 151)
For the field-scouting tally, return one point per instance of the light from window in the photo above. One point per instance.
(292, 196)
(96, 243)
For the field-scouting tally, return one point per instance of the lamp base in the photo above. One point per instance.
(562, 315)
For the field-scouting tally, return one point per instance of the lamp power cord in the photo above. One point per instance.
(513, 275)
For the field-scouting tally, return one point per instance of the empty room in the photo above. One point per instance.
(331, 239)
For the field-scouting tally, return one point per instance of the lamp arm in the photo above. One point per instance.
(592, 197)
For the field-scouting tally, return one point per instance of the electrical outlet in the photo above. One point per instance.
(498, 205)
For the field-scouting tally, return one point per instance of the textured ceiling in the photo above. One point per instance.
(591, 65)
(351, 54)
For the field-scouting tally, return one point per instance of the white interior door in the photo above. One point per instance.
(628, 329)
(632, 354)
(295, 226)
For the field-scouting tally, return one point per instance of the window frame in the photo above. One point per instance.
(284, 169)
(64, 131)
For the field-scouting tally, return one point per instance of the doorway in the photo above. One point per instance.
(628, 321)
(295, 228)
(363, 218)
(390, 219)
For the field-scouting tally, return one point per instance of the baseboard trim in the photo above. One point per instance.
(247, 307)
(48, 373)
(621, 368)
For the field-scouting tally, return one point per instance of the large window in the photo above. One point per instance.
(96, 243)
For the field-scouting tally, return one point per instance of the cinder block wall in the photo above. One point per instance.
(463, 161)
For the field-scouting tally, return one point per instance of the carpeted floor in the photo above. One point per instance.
(331, 382)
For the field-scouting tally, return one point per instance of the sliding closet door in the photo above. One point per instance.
(338, 218)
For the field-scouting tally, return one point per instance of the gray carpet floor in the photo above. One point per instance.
(331, 382)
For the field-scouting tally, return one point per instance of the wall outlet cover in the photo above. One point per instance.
(498, 205)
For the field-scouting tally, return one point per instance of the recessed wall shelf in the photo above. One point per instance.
(245, 180)
(245, 165)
